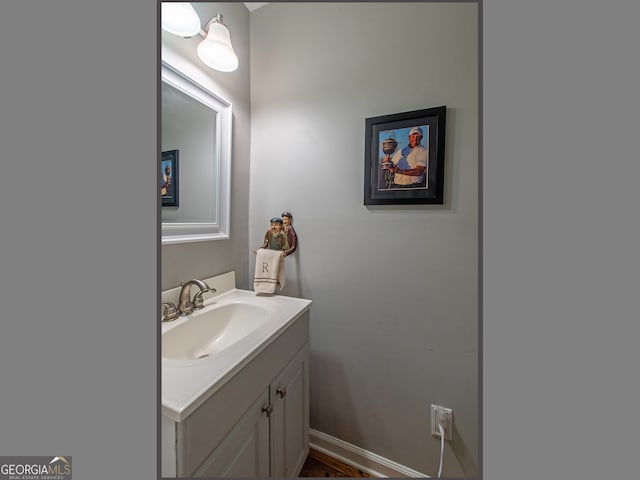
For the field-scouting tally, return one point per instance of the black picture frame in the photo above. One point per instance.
(392, 167)
(169, 190)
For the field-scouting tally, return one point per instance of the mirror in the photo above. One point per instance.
(196, 145)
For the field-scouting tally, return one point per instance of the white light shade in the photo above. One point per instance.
(180, 19)
(216, 50)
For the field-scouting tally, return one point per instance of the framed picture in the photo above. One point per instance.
(169, 178)
(404, 158)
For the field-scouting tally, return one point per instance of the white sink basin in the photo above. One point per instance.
(233, 328)
(208, 332)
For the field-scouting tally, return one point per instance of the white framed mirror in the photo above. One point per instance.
(196, 129)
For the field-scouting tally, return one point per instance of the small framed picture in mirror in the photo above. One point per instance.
(169, 178)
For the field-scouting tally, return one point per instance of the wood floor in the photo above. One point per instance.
(320, 465)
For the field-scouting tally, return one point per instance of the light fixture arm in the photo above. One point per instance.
(216, 19)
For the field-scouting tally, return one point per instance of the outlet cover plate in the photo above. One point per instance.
(436, 411)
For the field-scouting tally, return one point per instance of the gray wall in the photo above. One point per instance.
(205, 259)
(394, 289)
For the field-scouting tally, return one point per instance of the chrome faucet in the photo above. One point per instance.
(185, 304)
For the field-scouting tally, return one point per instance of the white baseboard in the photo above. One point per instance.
(368, 462)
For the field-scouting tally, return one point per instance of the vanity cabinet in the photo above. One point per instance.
(257, 423)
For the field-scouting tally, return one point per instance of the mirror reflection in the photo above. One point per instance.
(188, 127)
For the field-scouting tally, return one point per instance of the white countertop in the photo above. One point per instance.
(185, 388)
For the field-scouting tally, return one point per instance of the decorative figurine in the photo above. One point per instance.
(275, 238)
(289, 231)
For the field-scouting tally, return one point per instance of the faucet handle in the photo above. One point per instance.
(198, 301)
(169, 311)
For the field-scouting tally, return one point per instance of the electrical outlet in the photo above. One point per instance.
(438, 412)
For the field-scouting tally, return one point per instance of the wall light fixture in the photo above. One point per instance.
(215, 50)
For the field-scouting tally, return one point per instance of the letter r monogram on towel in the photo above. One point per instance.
(265, 267)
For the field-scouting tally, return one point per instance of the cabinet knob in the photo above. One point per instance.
(282, 391)
(267, 409)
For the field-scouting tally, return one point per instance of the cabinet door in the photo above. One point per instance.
(290, 418)
(245, 450)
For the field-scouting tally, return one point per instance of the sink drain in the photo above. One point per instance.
(205, 355)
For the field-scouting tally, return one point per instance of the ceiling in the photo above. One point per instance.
(254, 5)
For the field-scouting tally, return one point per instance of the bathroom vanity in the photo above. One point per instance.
(242, 408)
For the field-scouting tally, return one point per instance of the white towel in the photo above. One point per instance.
(269, 271)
